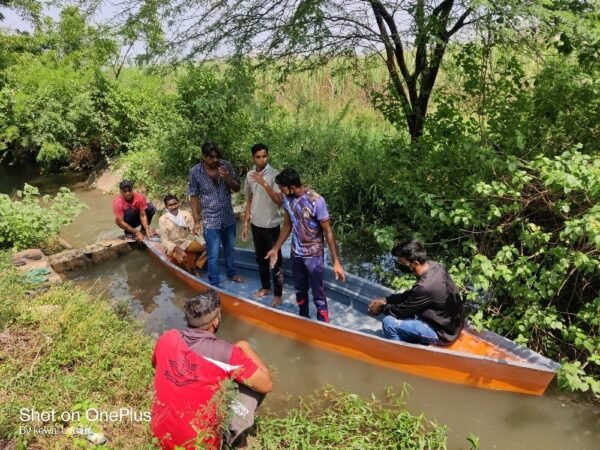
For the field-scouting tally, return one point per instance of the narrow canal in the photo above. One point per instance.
(502, 420)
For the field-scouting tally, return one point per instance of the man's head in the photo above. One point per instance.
(260, 156)
(211, 153)
(288, 181)
(126, 188)
(204, 311)
(410, 255)
(172, 203)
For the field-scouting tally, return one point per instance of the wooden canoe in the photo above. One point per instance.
(480, 359)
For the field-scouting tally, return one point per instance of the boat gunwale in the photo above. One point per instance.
(550, 366)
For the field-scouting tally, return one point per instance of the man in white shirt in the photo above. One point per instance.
(263, 199)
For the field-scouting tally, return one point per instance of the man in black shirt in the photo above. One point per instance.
(431, 311)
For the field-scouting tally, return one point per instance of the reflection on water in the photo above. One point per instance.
(502, 420)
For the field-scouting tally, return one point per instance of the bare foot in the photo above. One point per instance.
(276, 301)
(261, 293)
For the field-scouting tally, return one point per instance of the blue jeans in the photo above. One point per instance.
(414, 331)
(214, 238)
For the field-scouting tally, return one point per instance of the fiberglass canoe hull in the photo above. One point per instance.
(483, 360)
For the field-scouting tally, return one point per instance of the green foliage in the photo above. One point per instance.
(505, 182)
(332, 420)
(30, 221)
(65, 350)
(56, 104)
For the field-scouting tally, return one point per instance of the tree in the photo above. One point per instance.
(411, 36)
(29, 9)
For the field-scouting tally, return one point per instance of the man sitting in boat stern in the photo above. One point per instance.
(263, 200)
(182, 245)
(131, 210)
(307, 219)
(192, 391)
(431, 312)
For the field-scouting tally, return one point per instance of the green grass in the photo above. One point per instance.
(340, 420)
(66, 350)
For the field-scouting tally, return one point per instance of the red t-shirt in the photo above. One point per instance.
(120, 205)
(184, 384)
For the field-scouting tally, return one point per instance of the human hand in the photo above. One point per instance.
(339, 271)
(223, 172)
(255, 176)
(139, 236)
(150, 232)
(376, 306)
(179, 255)
(197, 228)
(272, 257)
(245, 232)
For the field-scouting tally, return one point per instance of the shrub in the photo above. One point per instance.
(25, 223)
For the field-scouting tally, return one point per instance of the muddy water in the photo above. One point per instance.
(501, 420)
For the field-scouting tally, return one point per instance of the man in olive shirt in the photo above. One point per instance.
(431, 311)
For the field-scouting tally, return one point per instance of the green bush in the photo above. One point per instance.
(30, 221)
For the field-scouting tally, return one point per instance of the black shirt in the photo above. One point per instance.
(435, 299)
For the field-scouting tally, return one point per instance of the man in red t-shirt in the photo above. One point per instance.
(192, 369)
(131, 210)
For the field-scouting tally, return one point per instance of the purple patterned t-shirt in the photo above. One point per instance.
(306, 213)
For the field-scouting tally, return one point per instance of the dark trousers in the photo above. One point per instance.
(264, 240)
(308, 273)
(131, 216)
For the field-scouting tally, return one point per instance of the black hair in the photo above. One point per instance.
(288, 177)
(125, 184)
(413, 250)
(170, 197)
(258, 147)
(202, 309)
(208, 148)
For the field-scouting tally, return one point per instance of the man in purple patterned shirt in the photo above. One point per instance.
(307, 219)
(210, 186)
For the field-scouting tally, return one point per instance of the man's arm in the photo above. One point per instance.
(383, 305)
(195, 205)
(286, 229)
(412, 302)
(171, 248)
(145, 225)
(260, 381)
(276, 197)
(247, 217)
(120, 221)
(230, 177)
(337, 265)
